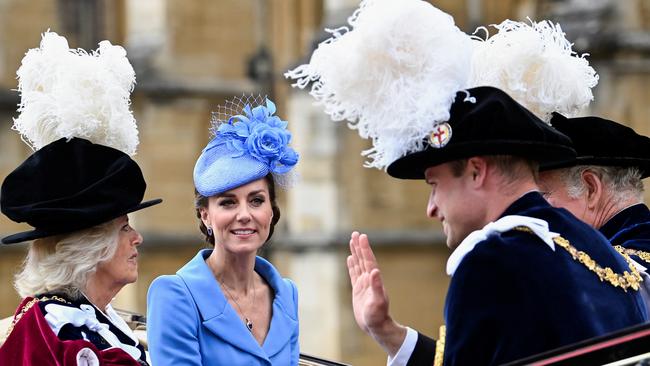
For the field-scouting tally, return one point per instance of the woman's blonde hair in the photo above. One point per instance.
(63, 263)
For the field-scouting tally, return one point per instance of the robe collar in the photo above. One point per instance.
(628, 217)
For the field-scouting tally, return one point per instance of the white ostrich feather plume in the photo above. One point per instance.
(73, 93)
(393, 75)
(534, 64)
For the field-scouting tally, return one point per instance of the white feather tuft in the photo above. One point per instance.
(534, 64)
(71, 93)
(394, 75)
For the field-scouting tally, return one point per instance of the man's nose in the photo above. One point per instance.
(432, 209)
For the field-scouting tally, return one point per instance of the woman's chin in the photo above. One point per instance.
(131, 276)
(244, 248)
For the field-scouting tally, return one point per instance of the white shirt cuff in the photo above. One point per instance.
(406, 350)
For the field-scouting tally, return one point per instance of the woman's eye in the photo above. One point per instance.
(126, 228)
(226, 203)
(257, 201)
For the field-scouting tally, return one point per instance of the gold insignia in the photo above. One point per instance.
(645, 256)
(440, 347)
(440, 136)
(626, 280)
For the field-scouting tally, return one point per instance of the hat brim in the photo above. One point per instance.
(41, 233)
(413, 166)
(642, 164)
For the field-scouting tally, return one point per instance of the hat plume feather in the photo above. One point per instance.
(535, 64)
(73, 93)
(393, 73)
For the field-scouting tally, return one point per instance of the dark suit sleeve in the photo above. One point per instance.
(424, 351)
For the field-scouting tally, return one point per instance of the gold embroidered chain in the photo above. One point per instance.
(626, 280)
(28, 306)
(20, 315)
(639, 253)
(440, 347)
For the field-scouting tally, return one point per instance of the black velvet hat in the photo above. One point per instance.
(71, 185)
(486, 122)
(599, 141)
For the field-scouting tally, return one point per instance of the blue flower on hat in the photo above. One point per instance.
(262, 135)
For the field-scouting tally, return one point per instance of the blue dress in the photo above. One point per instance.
(630, 229)
(190, 322)
(512, 296)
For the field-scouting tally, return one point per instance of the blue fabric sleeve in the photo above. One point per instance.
(295, 347)
(172, 323)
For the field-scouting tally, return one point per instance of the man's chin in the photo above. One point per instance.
(452, 244)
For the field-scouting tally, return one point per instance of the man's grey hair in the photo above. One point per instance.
(621, 183)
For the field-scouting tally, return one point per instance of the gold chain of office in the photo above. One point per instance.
(28, 306)
(626, 280)
(645, 256)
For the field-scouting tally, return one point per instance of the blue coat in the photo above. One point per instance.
(513, 297)
(190, 322)
(630, 229)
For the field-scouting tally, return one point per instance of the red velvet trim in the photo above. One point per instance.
(32, 342)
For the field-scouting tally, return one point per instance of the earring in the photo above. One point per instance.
(209, 231)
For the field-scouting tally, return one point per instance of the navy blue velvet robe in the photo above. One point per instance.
(630, 229)
(513, 297)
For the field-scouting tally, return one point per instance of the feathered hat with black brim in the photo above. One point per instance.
(492, 123)
(602, 142)
(74, 113)
(410, 89)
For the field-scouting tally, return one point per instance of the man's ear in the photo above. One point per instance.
(477, 169)
(594, 188)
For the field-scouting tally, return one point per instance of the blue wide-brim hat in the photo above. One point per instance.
(70, 185)
(246, 147)
(487, 121)
(599, 141)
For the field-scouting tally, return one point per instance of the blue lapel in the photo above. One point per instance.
(285, 308)
(222, 320)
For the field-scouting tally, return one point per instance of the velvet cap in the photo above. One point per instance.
(70, 185)
(486, 121)
(599, 141)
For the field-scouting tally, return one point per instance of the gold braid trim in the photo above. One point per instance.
(626, 280)
(28, 306)
(440, 347)
(645, 256)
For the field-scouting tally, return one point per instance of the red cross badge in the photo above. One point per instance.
(440, 136)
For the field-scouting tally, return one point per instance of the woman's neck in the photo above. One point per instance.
(237, 272)
(100, 293)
